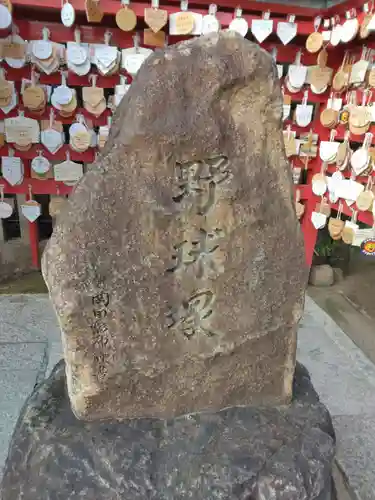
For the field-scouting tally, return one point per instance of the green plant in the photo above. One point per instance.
(325, 247)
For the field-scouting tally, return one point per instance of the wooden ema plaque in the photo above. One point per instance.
(94, 13)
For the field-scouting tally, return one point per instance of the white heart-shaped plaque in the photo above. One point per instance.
(31, 210)
(51, 140)
(360, 160)
(286, 31)
(328, 150)
(12, 169)
(261, 29)
(318, 220)
(133, 63)
(304, 115)
(106, 55)
(297, 74)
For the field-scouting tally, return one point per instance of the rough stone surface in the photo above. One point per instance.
(242, 453)
(322, 275)
(177, 269)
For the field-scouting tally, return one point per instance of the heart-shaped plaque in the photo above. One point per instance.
(261, 29)
(52, 140)
(318, 220)
(286, 31)
(304, 114)
(31, 210)
(156, 19)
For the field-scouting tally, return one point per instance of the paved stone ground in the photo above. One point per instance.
(29, 347)
(345, 380)
(344, 377)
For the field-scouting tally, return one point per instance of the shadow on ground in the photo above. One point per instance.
(28, 283)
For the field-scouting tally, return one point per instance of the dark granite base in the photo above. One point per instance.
(240, 453)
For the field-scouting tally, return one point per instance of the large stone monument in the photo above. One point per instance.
(177, 271)
(177, 274)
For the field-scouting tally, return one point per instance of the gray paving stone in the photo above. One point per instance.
(26, 318)
(55, 354)
(23, 356)
(342, 375)
(16, 386)
(356, 453)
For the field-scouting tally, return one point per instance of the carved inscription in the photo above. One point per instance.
(198, 182)
(192, 316)
(99, 327)
(202, 252)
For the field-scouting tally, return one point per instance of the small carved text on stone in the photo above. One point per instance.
(99, 327)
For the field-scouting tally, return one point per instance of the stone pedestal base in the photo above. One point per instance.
(239, 453)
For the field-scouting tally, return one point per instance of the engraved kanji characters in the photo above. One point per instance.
(202, 251)
(193, 315)
(199, 181)
(100, 330)
(101, 299)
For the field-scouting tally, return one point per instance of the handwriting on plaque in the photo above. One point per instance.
(199, 180)
(192, 317)
(100, 303)
(203, 252)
